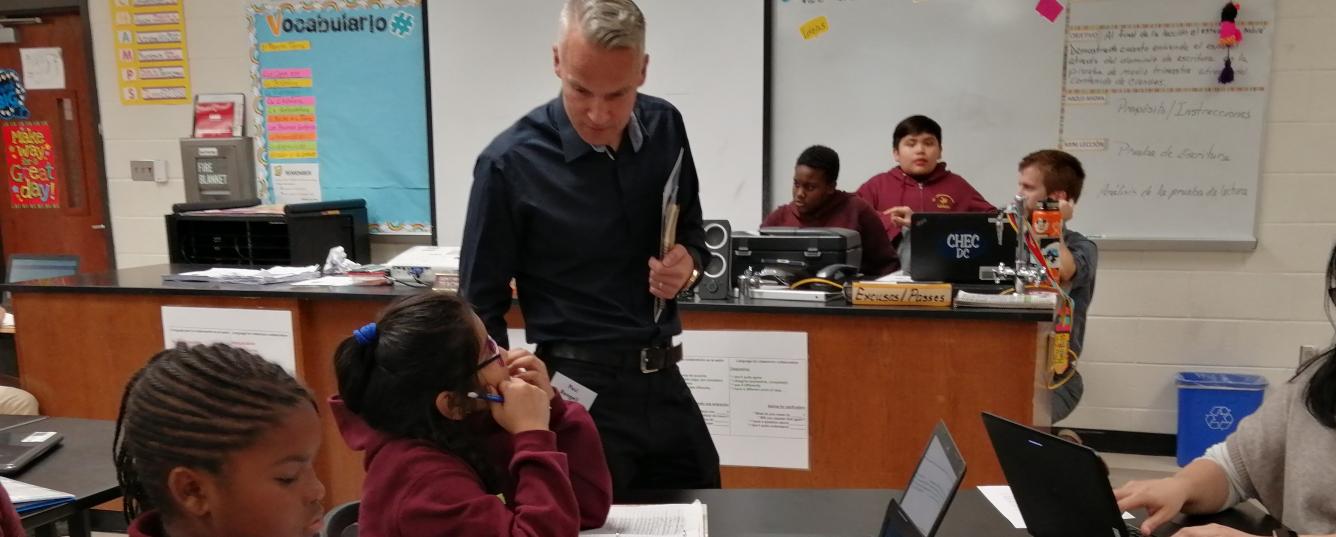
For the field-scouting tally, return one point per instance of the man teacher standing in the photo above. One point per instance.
(568, 202)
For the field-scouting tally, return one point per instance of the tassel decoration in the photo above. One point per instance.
(1229, 31)
(1227, 74)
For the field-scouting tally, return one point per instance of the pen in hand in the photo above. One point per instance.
(487, 397)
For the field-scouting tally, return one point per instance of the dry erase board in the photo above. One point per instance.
(989, 71)
(1172, 156)
(491, 62)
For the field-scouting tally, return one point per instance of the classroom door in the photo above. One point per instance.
(54, 200)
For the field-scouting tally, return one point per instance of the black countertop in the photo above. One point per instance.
(849, 512)
(148, 280)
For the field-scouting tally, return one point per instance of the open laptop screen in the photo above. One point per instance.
(23, 269)
(930, 489)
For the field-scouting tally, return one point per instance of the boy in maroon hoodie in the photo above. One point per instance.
(816, 203)
(920, 183)
(462, 437)
(213, 441)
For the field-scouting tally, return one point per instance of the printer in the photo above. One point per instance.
(803, 251)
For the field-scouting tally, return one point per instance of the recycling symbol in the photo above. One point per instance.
(1219, 418)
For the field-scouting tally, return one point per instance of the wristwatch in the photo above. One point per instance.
(691, 282)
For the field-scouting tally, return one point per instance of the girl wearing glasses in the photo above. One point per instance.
(443, 459)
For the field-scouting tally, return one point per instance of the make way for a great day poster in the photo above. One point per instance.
(340, 100)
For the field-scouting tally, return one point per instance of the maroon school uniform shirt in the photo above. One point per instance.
(941, 192)
(844, 210)
(558, 480)
(148, 524)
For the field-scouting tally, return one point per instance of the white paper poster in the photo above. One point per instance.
(752, 388)
(296, 183)
(43, 68)
(267, 333)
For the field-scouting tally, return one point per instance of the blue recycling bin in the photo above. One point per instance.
(1210, 406)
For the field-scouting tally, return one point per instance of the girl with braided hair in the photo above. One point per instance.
(443, 460)
(213, 441)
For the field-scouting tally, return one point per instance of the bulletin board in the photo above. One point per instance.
(340, 100)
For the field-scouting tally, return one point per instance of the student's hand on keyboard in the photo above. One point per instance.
(1162, 499)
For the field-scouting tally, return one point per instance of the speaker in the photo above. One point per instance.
(716, 279)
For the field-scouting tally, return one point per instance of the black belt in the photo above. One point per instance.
(648, 359)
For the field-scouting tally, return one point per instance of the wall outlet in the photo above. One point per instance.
(1306, 354)
(148, 170)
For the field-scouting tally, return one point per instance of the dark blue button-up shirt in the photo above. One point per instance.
(575, 226)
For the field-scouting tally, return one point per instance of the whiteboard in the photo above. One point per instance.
(1172, 156)
(989, 71)
(490, 63)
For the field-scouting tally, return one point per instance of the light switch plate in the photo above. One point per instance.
(141, 170)
(148, 170)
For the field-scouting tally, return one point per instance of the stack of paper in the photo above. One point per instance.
(247, 276)
(668, 520)
(28, 497)
(1043, 301)
(272, 209)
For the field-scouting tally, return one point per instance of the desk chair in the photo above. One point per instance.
(341, 521)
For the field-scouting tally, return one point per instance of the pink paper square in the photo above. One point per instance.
(1050, 9)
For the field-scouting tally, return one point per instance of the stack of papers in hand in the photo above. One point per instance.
(667, 520)
(247, 276)
(29, 498)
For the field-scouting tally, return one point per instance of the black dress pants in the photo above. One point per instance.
(654, 435)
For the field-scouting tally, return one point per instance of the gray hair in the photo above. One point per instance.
(608, 23)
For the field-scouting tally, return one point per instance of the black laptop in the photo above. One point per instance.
(952, 247)
(919, 512)
(1062, 488)
(934, 484)
(18, 450)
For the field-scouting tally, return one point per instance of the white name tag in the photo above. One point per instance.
(573, 391)
(37, 437)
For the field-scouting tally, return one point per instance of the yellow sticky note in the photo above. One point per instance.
(814, 28)
(285, 46)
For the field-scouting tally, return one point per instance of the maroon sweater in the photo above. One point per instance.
(147, 525)
(941, 192)
(844, 210)
(558, 480)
